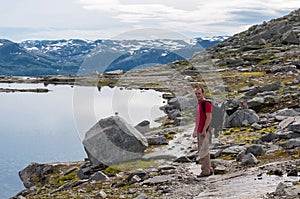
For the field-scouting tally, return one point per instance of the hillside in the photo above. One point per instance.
(273, 42)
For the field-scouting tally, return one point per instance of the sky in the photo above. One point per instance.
(112, 19)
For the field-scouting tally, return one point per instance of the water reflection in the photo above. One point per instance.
(48, 127)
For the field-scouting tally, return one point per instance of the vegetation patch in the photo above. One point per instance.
(130, 166)
(273, 157)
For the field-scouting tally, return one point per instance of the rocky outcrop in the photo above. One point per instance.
(113, 140)
(34, 173)
(242, 118)
(272, 42)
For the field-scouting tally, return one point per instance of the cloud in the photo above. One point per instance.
(108, 18)
(203, 16)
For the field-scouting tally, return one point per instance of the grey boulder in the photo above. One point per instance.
(112, 140)
(242, 117)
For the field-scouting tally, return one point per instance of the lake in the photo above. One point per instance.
(49, 127)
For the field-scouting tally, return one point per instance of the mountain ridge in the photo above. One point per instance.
(64, 57)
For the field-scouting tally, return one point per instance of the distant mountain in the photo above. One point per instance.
(60, 57)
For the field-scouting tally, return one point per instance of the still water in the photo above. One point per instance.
(49, 127)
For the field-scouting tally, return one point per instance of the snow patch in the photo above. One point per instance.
(31, 48)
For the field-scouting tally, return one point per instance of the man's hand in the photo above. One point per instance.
(195, 134)
(203, 133)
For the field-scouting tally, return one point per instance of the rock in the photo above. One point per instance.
(220, 169)
(295, 126)
(143, 196)
(70, 170)
(256, 150)
(241, 118)
(270, 87)
(173, 114)
(288, 135)
(134, 179)
(286, 112)
(291, 144)
(290, 37)
(214, 153)
(270, 99)
(183, 159)
(247, 158)
(140, 173)
(174, 102)
(256, 126)
(99, 176)
(219, 162)
(159, 155)
(143, 126)
(102, 194)
(280, 118)
(234, 150)
(187, 101)
(158, 180)
(113, 140)
(34, 173)
(166, 167)
(84, 173)
(256, 102)
(167, 108)
(287, 189)
(293, 172)
(157, 140)
(285, 123)
(217, 92)
(269, 137)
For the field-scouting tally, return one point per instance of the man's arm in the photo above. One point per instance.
(206, 124)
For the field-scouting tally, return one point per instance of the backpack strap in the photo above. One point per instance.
(203, 105)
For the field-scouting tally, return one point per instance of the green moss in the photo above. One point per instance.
(58, 180)
(296, 154)
(267, 130)
(264, 61)
(239, 135)
(130, 166)
(111, 170)
(226, 157)
(248, 74)
(149, 85)
(169, 136)
(272, 157)
(89, 189)
(108, 82)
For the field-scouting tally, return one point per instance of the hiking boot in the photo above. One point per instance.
(203, 175)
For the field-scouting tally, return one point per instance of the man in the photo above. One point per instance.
(203, 132)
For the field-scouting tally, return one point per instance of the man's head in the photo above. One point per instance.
(199, 92)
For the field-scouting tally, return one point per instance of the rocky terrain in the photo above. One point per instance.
(256, 155)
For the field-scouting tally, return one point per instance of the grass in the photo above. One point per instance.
(129, 166)
(274, 157)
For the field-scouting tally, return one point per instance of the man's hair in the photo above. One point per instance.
(200, 88)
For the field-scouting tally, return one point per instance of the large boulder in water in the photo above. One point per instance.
(112, 140)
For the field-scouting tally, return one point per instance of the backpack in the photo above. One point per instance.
(218, 115)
